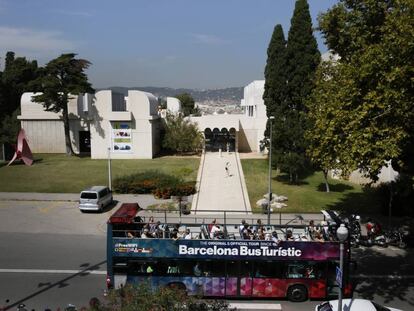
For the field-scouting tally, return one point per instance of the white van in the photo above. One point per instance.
(95, 198)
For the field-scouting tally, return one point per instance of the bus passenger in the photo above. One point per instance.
(241, 228)
(211, 226)
(309, 272)
(289, 235)
(174, 235)
(258, 226)
(187, 235)
(215, 232)
(246, 232)
(318, 237)
(311, 229)
(146, 234)
(275, 238)
(197, 271)
(260, 234)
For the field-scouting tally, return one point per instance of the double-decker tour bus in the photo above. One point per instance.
(231, 260)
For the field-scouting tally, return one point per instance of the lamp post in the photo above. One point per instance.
(109, 169)
(270, 169)
(342, 234)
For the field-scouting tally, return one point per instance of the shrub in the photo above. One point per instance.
(144, 298)
(161, 185)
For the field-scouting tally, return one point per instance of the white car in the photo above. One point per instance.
(353, 305)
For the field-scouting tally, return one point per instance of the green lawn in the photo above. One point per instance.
(309, 195)
(59, 173)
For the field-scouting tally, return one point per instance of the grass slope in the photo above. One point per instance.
(57, 173)
(309, 195)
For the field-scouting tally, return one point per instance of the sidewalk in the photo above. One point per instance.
(217, 190)
(144, 200)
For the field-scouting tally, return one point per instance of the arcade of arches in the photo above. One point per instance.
(223, 139)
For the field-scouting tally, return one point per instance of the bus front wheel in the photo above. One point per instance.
(297, 293)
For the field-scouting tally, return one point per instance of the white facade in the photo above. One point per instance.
(128, 126)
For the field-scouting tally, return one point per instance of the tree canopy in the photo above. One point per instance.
(367, 111)
(18, 77)
(181, 135)
(289, 77)
(61, 78)
(187, 103)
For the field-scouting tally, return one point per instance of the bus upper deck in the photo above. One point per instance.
(130, 222)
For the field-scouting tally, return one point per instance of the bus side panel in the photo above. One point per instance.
(246, 286)
(265, 287)
(317, 288)
(214, 286)
(231, 286)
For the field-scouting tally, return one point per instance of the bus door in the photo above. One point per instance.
(214, 281)
(239, 278)
(245, 278)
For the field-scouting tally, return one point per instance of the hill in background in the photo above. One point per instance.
(211, 101)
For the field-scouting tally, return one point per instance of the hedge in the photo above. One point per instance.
(161, 185)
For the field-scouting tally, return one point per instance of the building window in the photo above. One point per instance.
(118, 102)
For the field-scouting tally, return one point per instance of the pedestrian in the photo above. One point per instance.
(227, 166)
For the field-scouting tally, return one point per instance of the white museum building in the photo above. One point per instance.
(129, 127)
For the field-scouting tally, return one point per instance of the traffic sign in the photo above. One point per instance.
(339, 277)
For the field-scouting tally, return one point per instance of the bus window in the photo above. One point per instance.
(268, 269)
(245, 269)
(141, 268)
(214, 269)
(296, 270)
(232, 269)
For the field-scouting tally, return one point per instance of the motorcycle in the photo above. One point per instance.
(375, 235)
(354, 229)
(395, 237)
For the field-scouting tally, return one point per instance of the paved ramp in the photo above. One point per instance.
(218, 190)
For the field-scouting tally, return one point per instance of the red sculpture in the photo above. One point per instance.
(22, 150)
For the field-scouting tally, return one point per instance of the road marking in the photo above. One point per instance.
(52, 271)
(391, 277)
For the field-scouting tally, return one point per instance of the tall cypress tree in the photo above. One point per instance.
(303, 57)
(275, 72)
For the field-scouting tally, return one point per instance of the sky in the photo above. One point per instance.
(200, 44)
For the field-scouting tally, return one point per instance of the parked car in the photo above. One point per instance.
(353, 305)
(95, 198)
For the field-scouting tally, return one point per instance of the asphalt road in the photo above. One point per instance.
(52, 255)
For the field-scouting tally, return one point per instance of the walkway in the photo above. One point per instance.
(216, 190)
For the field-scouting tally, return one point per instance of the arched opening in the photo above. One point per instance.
(220, 139)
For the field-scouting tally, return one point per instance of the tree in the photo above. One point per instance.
(187, 103)
(181, 135)
(296, 67)
(9, 128)
(17, 78)
(142, 297)
(374, 81)
(274, 95)
(61, 78)
(321, 149)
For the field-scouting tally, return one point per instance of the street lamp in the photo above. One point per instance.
(270, 169)
(342, 234)
(109, 169)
